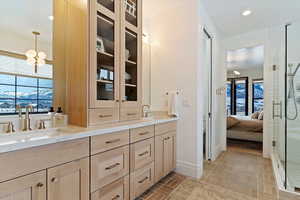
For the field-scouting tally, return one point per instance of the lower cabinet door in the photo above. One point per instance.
(118, 190)
(141, 180)
(31, 187)
(165, 154)
(69, 181)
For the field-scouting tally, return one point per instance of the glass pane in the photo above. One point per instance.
(24, 103)
(26, 93)
(26, 81)
(7, 106)
(105, 34)
(7, 79)
(45, 93)
(258, 90)
(7, 91)
(240, 99)
(131, 11)
(105, 91)
(228, 98)
(131, 66)
(109, 4)
(46, 83)
(293, 108)
(44, 105)
(258, 105)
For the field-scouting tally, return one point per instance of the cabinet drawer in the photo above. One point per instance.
(142, 133)
(31, 160)
(141, 180)
(130, 113)
(165, 128)
(109, 166)
(118, 190)
(109, 141)
(103, 115)
(142, 153)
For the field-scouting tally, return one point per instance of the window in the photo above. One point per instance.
(258, 96)
(23, 90)
(228, 98)
(237, 96)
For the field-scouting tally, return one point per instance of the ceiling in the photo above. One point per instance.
(20, 18)
(246, 59)
(226, 14)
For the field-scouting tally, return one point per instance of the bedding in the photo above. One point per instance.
(245, 128)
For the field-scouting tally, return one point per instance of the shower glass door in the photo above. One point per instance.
(293, 107)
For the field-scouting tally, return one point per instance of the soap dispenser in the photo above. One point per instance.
(60, 120)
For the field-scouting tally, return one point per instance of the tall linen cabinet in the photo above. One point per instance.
(106, 87)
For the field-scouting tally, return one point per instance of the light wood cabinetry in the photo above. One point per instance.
(119, 166)
(109, 166)
(118, 190)
(141, 180)
(107, 142)
(69, 181)
(142, 153)
(31, 187)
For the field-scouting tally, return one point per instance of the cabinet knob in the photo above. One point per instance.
(39, 185)
(53, 180)
(117, 100)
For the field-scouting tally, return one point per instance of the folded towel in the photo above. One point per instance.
(173, 104)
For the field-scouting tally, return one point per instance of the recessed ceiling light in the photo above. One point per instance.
(247, 12)
(51, 17)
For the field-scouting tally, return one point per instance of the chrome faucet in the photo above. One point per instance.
(42, 124)
(26, 121)
(146, 112)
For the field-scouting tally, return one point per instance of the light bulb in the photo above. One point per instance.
(42, 55)
(41, 62)
(30, 61)
(31, 53)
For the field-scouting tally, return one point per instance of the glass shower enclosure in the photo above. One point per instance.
(286, 109)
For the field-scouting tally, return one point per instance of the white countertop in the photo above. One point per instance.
(18, 141)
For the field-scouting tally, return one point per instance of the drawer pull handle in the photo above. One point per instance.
(131, 114)
(144, 133)
(113, 166)
(116, 197)
(113, 141)
(145, 153)
(40, 185)
(142, 181)
(105, 116)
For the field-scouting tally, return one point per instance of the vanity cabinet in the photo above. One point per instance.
(115, 61)
(69, 181)
(31, 187)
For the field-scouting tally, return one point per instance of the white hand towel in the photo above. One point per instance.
(173, 104)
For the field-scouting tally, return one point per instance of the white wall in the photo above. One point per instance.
(175, 28)
(252, 74)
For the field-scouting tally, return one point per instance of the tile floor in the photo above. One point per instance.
(235, 175)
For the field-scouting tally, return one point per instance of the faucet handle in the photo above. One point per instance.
(10, 127)
(29, 108)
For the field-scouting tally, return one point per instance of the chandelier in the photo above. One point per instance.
(35, 58)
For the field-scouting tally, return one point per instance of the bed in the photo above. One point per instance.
(244, 128)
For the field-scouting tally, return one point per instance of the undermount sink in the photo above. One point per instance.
(29, 134)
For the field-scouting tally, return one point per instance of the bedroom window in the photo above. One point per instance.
(237, 96)
(258, 96)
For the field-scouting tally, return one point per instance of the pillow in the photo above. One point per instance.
(255, 115)
(232, 121)
(261, 115)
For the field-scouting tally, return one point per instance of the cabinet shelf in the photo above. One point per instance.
(105, 54)
(130, 62)
(130, 85)
(105, 81)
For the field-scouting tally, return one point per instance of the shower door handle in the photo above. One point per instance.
(280, 110)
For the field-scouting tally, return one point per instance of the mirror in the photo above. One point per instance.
(26, 60)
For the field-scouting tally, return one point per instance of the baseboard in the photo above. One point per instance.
(219, 150)
(189, 169)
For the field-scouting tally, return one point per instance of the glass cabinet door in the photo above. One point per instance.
(131, 11)
(104, 59)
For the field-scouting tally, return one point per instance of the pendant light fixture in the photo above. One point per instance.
(35, 58)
